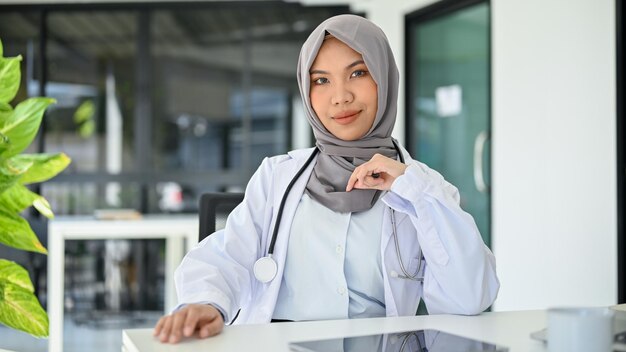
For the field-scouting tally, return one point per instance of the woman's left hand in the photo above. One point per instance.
(387, 169)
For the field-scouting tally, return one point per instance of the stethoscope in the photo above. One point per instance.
(407, 338)
(265, 268)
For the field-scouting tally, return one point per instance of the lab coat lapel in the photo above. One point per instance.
(286, 172)
(283, 174)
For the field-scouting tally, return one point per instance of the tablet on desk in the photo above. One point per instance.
(419, 340)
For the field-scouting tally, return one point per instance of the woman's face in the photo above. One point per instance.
(343, 93)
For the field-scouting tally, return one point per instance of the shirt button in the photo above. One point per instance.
(339, 249)
(341, 290)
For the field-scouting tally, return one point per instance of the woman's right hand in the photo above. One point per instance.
(204, 318)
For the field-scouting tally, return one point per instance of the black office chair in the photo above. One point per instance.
(214, 209)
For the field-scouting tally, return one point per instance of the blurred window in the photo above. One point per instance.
(153, 98)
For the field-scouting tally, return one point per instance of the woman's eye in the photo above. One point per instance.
(320, 80)
(359, 73)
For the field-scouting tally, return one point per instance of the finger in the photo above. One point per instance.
(191, 322)
(177, 326)
(352, 180)
(364, 175)
(362, 171)
(211, 329)
(369, 182)
(158, 326)
(165, 331)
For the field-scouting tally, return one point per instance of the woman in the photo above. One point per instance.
(365, 230)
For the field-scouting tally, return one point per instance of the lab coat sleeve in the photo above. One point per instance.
(218, 270)
(460, 273)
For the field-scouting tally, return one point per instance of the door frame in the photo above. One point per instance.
(621, 162)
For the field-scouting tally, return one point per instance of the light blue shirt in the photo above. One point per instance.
(333, 268)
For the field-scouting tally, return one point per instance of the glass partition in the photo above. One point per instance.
(448, 100)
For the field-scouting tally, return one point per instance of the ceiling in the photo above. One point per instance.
(209, 33)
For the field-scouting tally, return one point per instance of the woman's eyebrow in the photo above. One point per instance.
(318, 72)
(322, 72)
(357, 62)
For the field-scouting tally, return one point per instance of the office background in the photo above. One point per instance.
(554, 158)
(553, 114)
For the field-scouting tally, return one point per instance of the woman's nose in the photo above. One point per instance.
(341, 95)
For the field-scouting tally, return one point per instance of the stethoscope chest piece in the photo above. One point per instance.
(265, 269)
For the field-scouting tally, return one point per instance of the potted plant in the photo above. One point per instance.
(19, 307)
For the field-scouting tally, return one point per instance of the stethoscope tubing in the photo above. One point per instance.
(279, 216)
(265, 268)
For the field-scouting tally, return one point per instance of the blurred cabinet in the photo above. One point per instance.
(180, 233)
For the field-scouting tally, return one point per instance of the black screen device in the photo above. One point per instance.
(415, 340)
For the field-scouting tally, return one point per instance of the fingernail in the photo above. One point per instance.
(172, 338)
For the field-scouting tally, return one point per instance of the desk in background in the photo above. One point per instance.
(179, 232)
(510, 329)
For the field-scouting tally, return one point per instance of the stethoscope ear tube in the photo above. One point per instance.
(398, 150)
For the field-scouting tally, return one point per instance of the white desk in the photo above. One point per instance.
(179, 232)
(510, 329)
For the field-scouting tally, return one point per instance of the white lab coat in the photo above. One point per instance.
(459, 271)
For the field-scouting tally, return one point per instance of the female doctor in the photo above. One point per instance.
(351, 228)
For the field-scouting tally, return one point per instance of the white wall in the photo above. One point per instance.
(554, 157)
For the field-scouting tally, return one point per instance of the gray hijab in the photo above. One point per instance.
(338, 158)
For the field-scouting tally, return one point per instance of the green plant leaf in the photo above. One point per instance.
(11, 272)
(4, 143)
(86, 129)
(44, 166)
(10, 172)
(17, 198)
(84, 112)
(16, 232)
(5, 112)
(10, 76)
(41, 204)
(19, 308)
(6, 182)
(15, 166)
(23, 124)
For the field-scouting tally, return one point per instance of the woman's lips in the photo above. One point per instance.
(346, 117)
